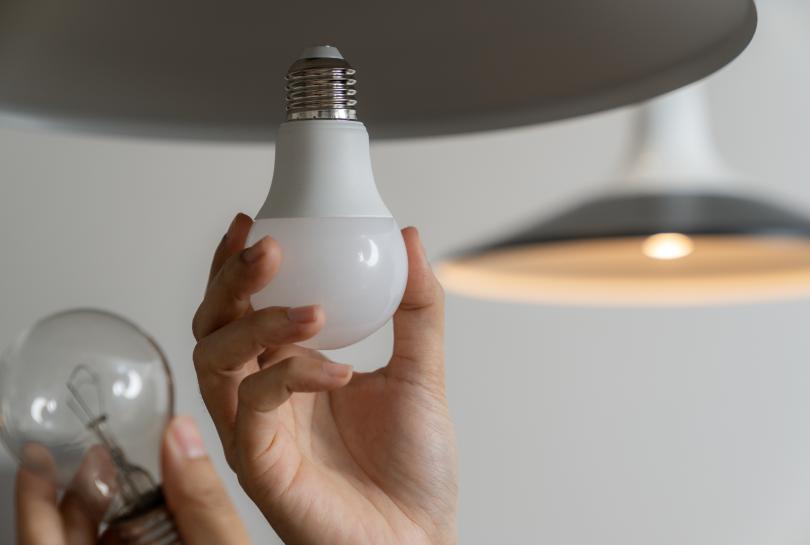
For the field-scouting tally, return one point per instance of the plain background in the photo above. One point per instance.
(576, 425)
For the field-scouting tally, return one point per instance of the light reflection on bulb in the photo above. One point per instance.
(373, 254)
(38, 408)
(129, 388)
(667, 246)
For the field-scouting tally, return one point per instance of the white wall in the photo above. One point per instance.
(576, 426)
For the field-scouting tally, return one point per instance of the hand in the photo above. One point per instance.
(329, 456)
(200, 506)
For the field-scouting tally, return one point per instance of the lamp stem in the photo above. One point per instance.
(674, 146)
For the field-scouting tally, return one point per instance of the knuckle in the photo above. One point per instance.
(257, 331)
(267, 326)
(203, 396)
(288, 366)
(274, 355)
(291, 372)
(198, 354)
(255, 323)
(216, 278)
(196, 328)
(231, 272)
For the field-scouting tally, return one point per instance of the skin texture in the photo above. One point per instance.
(202, 510)
(328, 455)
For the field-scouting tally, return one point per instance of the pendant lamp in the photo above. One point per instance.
(204, 69)
(680, 228)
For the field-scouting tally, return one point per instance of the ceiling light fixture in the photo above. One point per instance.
(678, 230)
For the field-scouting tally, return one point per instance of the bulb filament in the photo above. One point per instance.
(134, 482)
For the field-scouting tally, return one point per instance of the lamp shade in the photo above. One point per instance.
(645, 249)
(205, 69)
(680, 230)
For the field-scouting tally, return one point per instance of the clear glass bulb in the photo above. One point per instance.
(84, 399)
(355, 268)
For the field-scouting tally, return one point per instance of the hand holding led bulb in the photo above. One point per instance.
(328, 455)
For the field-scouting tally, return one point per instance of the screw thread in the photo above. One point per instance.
(321, 88)
(151, 526)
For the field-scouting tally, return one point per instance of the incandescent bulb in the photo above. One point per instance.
(667, 246)
(84, 400)
(341, 247)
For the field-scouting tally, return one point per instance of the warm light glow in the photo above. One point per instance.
(667, 246)
(612, 271)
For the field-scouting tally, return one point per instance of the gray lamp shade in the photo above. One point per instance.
(641, 215)
(213, 70)
(646, 249)
(678, 230)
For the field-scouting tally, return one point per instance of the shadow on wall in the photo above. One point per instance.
(7, 474)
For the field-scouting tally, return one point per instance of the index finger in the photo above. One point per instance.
(418, 354)
(232, 242)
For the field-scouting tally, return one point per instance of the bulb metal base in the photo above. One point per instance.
(151, 524)
(321, 87)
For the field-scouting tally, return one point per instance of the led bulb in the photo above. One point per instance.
(341, 247)
(84, 399)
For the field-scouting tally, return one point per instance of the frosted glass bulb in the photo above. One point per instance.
(355, 268)
(84, 399)
(341, 247)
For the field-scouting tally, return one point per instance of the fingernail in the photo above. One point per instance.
(418, 236)
(303, 315)
(337, 370)
(186, 438)
(254, 253)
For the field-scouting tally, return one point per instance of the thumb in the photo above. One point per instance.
(419, 321)
(196, 497)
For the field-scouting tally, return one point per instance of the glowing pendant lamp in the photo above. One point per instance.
(678, 230)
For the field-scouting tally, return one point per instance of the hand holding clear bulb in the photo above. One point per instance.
(328, 455)
(85, 398)
(198, 500)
